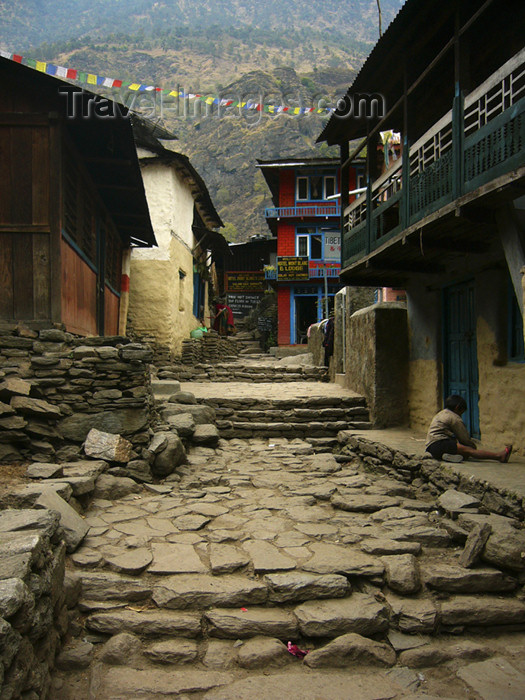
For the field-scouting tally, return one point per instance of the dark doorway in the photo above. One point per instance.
(460, 350)
(305, 315)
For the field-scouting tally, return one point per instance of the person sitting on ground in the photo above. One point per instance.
(448, 438)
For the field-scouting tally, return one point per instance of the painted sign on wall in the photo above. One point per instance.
(292, 268)
(332, 247)
(242, 304)
(250, 281)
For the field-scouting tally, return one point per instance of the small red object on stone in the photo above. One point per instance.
(295, 651)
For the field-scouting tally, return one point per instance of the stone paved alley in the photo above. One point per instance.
(193, 587)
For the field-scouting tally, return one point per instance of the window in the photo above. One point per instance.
(302, 188)
(329, 186)
(316, 247)
(302, 247)
(315, 188)
(309, 242)
(182, 279)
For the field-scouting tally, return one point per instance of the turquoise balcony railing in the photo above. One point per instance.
(480, 139)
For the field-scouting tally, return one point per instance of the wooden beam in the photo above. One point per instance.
(111, 186)
(452, 244)
(24, 228)
(108, 161)
(421, 267)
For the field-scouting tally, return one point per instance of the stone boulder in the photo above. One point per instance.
(351, 648)
(107, 446)
(183, 424)
(111, 488)
(170, 456)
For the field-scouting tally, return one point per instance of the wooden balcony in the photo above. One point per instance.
(477, 147)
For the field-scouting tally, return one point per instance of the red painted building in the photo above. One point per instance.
(306, 219)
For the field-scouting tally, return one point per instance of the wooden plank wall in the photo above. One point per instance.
(25, 232)
(79, 293)
(111, 312)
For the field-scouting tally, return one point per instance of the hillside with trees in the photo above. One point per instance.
(270, 51)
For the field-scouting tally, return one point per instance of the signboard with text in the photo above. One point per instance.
(250, 281)
(292, 269)
(332, 247)
(242, 304)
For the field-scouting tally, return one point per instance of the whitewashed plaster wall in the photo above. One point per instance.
(161, 278)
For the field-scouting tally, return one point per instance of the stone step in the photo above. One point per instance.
(316, 402)
(238, 429)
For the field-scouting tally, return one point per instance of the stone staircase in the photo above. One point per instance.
(188, 584)
(309, 417)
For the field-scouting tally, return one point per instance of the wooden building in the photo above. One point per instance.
(446, 221)
(72, 203)
(305, 219)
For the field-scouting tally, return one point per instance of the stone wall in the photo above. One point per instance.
(33, 601)
(55, 387)
(315, 344)
(415, 469)
(377, 361)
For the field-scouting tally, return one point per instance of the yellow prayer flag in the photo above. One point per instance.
(41, 66)
(92, 79)
(134, 86)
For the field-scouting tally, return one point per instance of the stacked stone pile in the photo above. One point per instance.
(257, 547)
(239, 371)
(210, 348)
(55, 387)
(414, 469)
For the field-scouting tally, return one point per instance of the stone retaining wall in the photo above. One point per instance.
(33, 601)
(416, 470)
(55, 387)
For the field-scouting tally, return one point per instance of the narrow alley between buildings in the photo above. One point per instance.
(281, 539)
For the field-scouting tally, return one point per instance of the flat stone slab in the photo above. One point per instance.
(73, 526)
(263, 652)
(457, 579)
(413, 616)
(436, 653)
(238, 624)
(132, 561)
(494, 679)
(379, 546)
(44, 470)
(453, 501)
(118, 682)
(175, 559)
(146, 623)
(482, 611)
(334, 559)
(363, 503)
(199, 591)
(351, 649)
(225, 558)
(109, 586)
(297, 586)
(267, 557)
(172, 651)
(331, 618)
(309, 686)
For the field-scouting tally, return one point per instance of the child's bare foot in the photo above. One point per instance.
(505, 455)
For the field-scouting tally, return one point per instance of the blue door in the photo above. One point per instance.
(460, 351)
